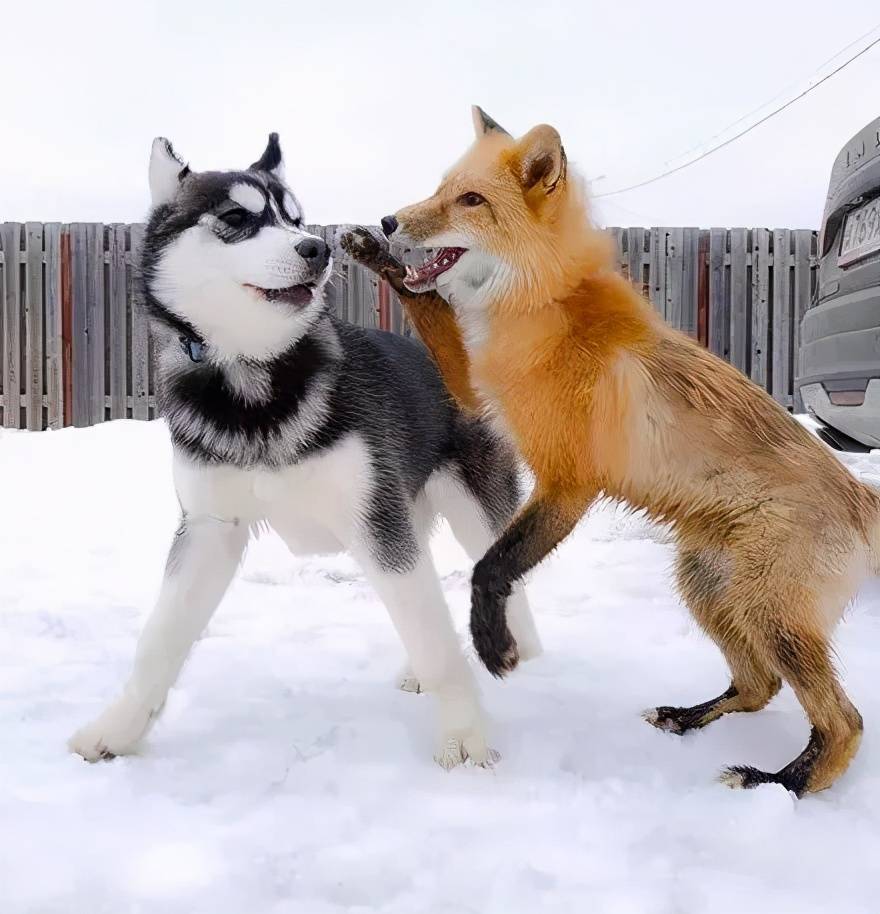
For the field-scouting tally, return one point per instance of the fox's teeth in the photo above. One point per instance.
(410, 272)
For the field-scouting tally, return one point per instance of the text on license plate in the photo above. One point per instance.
(861, 233)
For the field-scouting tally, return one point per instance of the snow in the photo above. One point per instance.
(289, 775)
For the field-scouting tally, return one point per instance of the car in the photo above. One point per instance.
(838, 372)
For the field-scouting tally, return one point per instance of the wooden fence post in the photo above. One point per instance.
(11, 233)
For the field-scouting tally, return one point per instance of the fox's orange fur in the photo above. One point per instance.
(603, 398)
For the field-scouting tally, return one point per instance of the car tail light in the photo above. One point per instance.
(847, 397)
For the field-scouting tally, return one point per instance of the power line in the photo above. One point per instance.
(778, 95)
(742, 133)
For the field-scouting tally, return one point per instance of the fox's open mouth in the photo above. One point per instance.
(425, 277)
(298, 295)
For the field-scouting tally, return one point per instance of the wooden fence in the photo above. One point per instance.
(76, 346)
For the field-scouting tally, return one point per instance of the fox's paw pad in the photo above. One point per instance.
(666, 718)
(368, 250)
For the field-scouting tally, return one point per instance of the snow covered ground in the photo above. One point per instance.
(289, 775)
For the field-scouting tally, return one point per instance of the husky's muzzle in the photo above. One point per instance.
(316, 254)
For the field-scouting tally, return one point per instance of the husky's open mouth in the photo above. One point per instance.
(298, 295)
(425, 277)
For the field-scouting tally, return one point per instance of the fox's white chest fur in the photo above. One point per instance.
(469, 287)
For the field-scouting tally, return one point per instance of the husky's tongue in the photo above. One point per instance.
(423, 278)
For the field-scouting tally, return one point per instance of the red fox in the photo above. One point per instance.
(528, 320)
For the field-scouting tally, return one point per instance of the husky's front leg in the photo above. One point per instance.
(202, 560)
(419, 612)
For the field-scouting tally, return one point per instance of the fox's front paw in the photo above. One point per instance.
(371, 252)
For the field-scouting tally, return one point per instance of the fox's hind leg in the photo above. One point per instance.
(752, 686)
(803, 657)
(703, 577)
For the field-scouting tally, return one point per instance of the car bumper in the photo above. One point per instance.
(840, 342)
(859, 422)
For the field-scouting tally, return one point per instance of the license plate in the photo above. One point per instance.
(861, 233)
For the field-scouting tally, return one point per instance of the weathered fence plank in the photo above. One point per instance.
(690, 279)
(781, 385)
(11, 233)
(657, 276)
(739, 304)
(95, 321)
(617, 234)
(761, 344)
(635, 240)
(117, 330)
(79, 330)
(33, 324)
(719, 297)
(804, 247)
(140, 335)
(672, 308)
(53, 325)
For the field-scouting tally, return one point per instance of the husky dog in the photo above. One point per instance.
(337, 437)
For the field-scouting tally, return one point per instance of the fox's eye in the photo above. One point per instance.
(471, 198)
(234, 218)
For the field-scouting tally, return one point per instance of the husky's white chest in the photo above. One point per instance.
(314, 505)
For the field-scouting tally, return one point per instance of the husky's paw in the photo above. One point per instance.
(408, 683)
(115, 732)
(470, 747)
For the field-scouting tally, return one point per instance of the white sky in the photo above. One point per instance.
(372, 99)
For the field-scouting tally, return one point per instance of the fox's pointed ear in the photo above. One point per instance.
(484, 124)
(167, 170)
(271, 159)
(541, 162)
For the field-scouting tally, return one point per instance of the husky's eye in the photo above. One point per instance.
(235, 218)
(471, 198)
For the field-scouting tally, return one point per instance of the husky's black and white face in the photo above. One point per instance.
(226, 255)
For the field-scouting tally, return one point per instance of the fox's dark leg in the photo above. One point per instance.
(432, 316)
(751, 688)
(533, 534)
(375, 254)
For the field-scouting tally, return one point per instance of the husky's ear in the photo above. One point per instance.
(484, 124)
(270, 160)
(167, 170)
(541, 162)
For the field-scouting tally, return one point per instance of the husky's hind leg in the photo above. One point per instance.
(419, 612)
